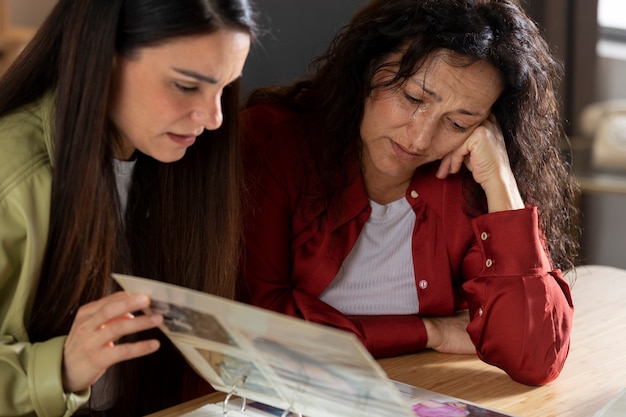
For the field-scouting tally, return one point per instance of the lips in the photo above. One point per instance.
(185, 139)
(403, 154)
(185, 136)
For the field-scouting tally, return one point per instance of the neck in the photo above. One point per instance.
(383, 189)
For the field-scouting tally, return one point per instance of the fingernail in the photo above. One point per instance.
(156, 318)
(142, 300)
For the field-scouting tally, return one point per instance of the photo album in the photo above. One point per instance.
(270, 364)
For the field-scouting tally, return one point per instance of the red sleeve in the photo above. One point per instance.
(521, 310)
(383, 336)
(386, 336)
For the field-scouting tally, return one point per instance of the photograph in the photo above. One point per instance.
(191, 322)
(239, 374)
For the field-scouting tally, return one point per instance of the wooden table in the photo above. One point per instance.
(594, 373)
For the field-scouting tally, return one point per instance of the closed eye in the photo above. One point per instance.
(185, 88)
(458, 127)
(412, 99)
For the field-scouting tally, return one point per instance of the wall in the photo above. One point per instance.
(29, 12)
(604, 235)
(611, 68)
(604, 225)
(18, 21)
(296, 32)
(571, 30)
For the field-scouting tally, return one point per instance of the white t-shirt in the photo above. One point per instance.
(102, 392)
(377, 277)
(123, 175)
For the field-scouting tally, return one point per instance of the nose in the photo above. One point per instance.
(208, 112)
(420, 131)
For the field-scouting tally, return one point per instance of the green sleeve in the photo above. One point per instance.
(30, 380)
(30, 373)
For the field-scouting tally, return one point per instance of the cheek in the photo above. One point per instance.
(149, 102)
(367, 122)
(394, 109)
(162, 109)
(446, 143)
(383, 114)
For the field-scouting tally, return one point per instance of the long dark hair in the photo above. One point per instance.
(183, 218)
(496, 31)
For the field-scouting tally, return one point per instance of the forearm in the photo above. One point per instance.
(382, 336)
(502, 194)
(395, 335)
(523, 326)
(520, 310)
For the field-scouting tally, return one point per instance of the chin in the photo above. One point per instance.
(170, 157)
(397, 170)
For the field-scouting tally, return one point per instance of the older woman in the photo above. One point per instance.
(412, 190)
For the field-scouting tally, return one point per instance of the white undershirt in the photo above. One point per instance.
(123, 174)
(102, 392)
(377, 277)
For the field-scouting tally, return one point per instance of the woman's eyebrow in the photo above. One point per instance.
(197, 76)
(437, 98)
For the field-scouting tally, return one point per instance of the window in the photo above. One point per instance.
(612, 19)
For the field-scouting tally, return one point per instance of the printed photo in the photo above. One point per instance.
(237, 373)
(188, 321)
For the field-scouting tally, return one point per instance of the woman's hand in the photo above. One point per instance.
(484, 154)
(90, 346)
(449, 334)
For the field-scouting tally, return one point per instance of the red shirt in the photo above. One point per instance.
(494, 264)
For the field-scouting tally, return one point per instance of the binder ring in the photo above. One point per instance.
(233, 391)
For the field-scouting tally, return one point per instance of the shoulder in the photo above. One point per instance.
(25, 144)
(267, 114)
(275, 151)
(275, 131)
(261, 120)
(25, 187)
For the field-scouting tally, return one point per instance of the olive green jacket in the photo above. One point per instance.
(30, 373)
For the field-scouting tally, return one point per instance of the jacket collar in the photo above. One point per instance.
(349, 202)
(47, 113)
(352, 201)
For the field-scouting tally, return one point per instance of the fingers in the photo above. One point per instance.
(444, 168)
(453, 161)
(122, 326)
(108, 317)
(114, 305)
(483, 153)
(90, 308)
(90, 347)
(110, 353)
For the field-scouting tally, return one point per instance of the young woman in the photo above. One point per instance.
(119, 151)
(412, 190)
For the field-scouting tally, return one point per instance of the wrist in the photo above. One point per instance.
(503, 194)
(433, 335)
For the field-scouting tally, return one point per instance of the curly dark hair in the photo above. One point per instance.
(496, 31)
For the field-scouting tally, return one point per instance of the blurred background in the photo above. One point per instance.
(588, 36)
